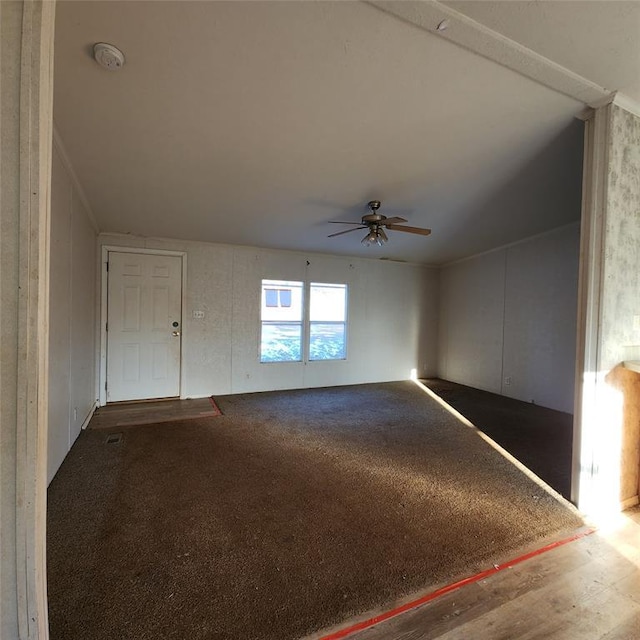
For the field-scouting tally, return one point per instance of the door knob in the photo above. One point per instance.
(175, 334)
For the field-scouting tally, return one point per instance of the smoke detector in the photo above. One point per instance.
(108, 56)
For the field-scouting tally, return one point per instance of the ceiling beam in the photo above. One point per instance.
(447, 23)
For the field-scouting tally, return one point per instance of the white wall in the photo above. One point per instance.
(72, 316)
(541, 319)
(511, 313)
(471, 317)
(392, 317)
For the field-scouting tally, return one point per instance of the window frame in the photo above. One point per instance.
(310, 322)
(277, 286)
(305, 323)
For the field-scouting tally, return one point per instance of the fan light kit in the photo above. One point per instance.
(376, 224)
(108, 56)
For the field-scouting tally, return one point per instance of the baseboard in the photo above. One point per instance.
(85, 424)
(197, 396)
(629, 502)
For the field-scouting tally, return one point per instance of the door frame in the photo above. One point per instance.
(104, 257)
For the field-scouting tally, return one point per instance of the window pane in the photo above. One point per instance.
(328, 302)
(281, 335)
(271, 297)
(279, 312)
(327, 341)
(281, 342)
(285, 297)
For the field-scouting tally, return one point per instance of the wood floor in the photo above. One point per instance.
(127, 414)
(588, 589)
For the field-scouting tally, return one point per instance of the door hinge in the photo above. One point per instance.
(105, 385)
(106, 326)
(107, 266)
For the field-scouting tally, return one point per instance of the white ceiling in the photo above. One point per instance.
(597, 40)
(257, 123)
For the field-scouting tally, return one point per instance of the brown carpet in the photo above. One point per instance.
(291, 512)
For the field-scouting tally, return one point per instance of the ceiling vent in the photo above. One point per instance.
(108, 56)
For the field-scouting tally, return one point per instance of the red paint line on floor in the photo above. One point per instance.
(392, 613)
(215, 406)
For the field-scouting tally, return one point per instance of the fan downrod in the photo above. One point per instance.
(374, 217)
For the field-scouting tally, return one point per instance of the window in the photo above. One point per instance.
(288, 322)
(281, 335)
(327, 321)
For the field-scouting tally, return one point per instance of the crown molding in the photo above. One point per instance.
(621, 100)
(628, 104)
(490, 44)
(586, 114)
(604, 101)
(64, 157)
(509, 245)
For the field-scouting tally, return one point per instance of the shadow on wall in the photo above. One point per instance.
(546, 193)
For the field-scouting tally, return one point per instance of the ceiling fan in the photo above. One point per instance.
(376, 223)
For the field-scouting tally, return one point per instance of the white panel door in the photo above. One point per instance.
(144, 302)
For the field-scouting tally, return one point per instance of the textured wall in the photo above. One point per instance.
(392, 323)
(72, 390)
(59, 317)
(82, 393)
(621, 285)
(619, 339)
(11, 19)
(26, 106)
(511, 314)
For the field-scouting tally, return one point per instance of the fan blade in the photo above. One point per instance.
(402, 227)
(344, 222)
(333, 235)
(394, 220)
